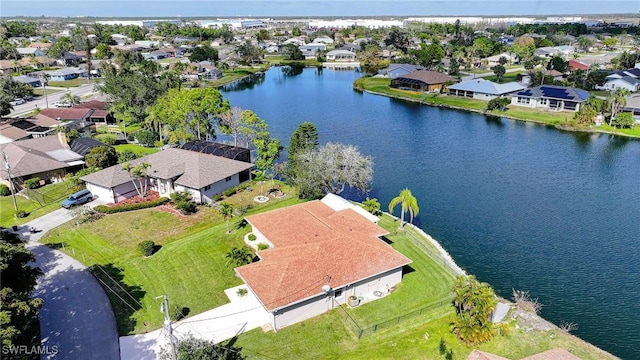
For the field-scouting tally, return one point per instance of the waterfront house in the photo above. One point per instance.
(550, 97)
(341, 55)
(201, 174)
(482, 89)
(423, 81)
(322, 254)
(310, 51)
(396, 70)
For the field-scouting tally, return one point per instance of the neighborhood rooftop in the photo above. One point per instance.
(315, 245)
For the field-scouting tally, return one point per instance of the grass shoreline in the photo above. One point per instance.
(377, 86)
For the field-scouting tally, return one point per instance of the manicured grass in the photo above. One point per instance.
(138, 149)
(41, 91)
(508, 77)
(562, 119)
(414, 337)
(71, 83)
(49, 196)
(190, 267)
(231, 76)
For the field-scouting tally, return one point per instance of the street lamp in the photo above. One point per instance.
(43, 79)
(7, 166)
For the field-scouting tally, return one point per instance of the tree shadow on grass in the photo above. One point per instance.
(241, 224)
(386, 239)
(125, 299)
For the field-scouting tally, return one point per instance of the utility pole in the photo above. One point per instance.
(164, 308)
(7, 166)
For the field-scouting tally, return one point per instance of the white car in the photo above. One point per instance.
(62, 104)
(17, 101)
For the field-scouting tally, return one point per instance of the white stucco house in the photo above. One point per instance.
(482, 89)
(171, 170)
(321, 253)
(551, 97)
(341, 55)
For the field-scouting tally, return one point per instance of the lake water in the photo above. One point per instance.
(519, 205)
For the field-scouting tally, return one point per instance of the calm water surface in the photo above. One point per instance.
(519, 205)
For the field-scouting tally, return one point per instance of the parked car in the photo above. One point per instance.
(17, 101)
(27, 97)
(79, 198)
(62, 104)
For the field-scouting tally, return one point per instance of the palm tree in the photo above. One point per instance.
(71, 99)
(239, 256)
(226, 210)
(617, 101)
(408, 202)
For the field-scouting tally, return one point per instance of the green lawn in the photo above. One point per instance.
(190, 267)
(327, 336)
(231, 76)
(138, 149)
(71, 83)
(561, 119)
(41, 91)
(508, 77)
(45, 200)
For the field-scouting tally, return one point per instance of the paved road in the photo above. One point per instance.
(76, 317)
(41, 101)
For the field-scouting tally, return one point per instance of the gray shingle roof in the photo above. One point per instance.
(487, 87)
(190, 169)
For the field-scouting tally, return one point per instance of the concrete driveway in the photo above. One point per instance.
(76, 319)
(242, 314)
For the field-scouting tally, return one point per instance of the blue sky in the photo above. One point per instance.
(269, 8)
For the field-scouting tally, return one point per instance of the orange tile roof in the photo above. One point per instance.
(312, 241)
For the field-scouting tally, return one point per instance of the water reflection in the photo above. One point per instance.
(291, 70)
(494, 120)
(248, 82)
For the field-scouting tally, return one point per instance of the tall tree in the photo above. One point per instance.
(407, 203)
(292, 52)
(398, 39)
(230, 123)
(101, 157)
(474, 303)
(585, 43)
(10, 90)
(616, 101)
(188, 114)
(268, 152)
(304, 138)
(18, 310)
(331, 169)
(248, 53)
(499, 70)
(138, 175)
(203, 53)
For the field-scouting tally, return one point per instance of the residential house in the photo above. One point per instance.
(551, 97)
(28, 80)
(546, 51)
(323, 40)
(171, 170)
(349, 47)
(29, 51)
(147, 43)
(341, 55)
(629, 83)
(70, 59)
(310, 51)
(72, 118)
(65, 74)
(482, 89)
(252, 24)
(9, 66)
(298, 41)
(578, 65)
(40, 45)
(15, 129)
(99, 113)
(495, 60)
(422, 80)
(155, 55)
(48, 158)
(396, 70)
(321, 254)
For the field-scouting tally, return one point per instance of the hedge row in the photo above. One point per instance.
(129, 207)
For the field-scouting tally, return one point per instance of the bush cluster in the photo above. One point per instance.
(146, 248)
(32, 183)
(182, 200)
(107, 139)
(252, 237)
(4, 190)
(21, 214)
(129, 207)
(263, 246)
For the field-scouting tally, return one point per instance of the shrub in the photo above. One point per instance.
(229, 192)
(185, 207)
(129, 207)
(263, 246)
(107, 139)
(216, 197)
(499, 103)
(4, 190)
(32, 183)
(252, 237)
(242, 292)
(146, 247)
(21, 214)
(147, 137)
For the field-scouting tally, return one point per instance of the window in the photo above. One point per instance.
(523, 100)
(208, 187)
(543, 101)
(338, 293)
(228, 179)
